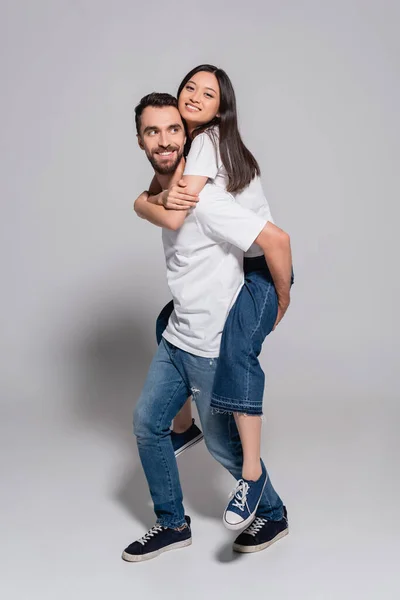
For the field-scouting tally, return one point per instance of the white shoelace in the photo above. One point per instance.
(240, 494)
(256, 526)
(153, 531)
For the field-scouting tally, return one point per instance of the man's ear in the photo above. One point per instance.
(140, 142)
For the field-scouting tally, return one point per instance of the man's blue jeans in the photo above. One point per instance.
(173, 376)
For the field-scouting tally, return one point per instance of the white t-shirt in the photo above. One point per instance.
(205, 256)
(204, 159)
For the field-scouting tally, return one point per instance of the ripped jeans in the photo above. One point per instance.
(173, 376)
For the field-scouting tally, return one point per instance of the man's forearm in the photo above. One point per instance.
(279, 261)
(275, 244)
(154, 213)
(155, 198)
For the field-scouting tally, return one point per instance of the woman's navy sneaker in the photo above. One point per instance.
(244, 502)
(187, 439)
(157, 540)
(261, 534)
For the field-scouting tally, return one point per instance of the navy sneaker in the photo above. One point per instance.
(261, 534)
(157, 540)
(187, 439)
(244, 502)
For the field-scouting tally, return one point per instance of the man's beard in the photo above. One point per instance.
(168, 169)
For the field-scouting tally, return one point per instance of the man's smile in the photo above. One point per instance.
(165, 153)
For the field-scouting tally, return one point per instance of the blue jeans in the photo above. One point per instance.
(173, 376)
(239, 378)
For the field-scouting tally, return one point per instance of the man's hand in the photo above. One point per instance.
(176, 197)
(282, 308)
(275, 244)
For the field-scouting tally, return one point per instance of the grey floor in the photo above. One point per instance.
(73, 496)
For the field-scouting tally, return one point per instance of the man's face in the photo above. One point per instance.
(162, 137)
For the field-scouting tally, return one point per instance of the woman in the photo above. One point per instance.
(218, 157)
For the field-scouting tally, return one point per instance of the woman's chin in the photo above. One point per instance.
(190, 116)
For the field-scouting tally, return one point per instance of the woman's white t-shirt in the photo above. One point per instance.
(204, 159)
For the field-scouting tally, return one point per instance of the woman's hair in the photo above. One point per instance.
(240, 164)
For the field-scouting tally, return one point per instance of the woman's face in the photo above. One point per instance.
(199, 100)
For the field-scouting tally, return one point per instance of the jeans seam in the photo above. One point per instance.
(251, 337)
(166, 406)
(171, 352)
(218, 398)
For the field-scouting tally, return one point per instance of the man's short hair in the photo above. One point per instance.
(154, 99)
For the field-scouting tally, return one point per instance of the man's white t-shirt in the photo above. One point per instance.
(205, 256)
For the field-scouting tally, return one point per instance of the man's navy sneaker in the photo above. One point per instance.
(187, 439)
(244, 502)
(157, 540)
(261, 534)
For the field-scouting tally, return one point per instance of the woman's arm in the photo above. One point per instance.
(168, 208)
(175, 202)
(194, 183)
(149, 205)
(156, 211)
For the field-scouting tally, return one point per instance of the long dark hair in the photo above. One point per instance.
(238, 161)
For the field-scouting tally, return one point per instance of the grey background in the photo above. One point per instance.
(83, 280)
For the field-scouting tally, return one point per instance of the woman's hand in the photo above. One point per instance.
(177, 198)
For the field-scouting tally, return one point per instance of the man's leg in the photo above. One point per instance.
(164, 393)
(185, 432)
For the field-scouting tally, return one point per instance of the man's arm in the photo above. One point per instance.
(275, 244)
(158, 215)
(182, 193)
(223, 219)
(155, 187)
(153, 208)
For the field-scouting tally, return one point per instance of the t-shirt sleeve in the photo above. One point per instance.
(221, 218)
(202, 158)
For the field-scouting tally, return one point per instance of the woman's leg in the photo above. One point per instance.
(239, 387)
(183, 419)
(249, 427)
(239, 381)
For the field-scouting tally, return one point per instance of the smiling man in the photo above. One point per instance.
(162, 138)
(204, 274)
